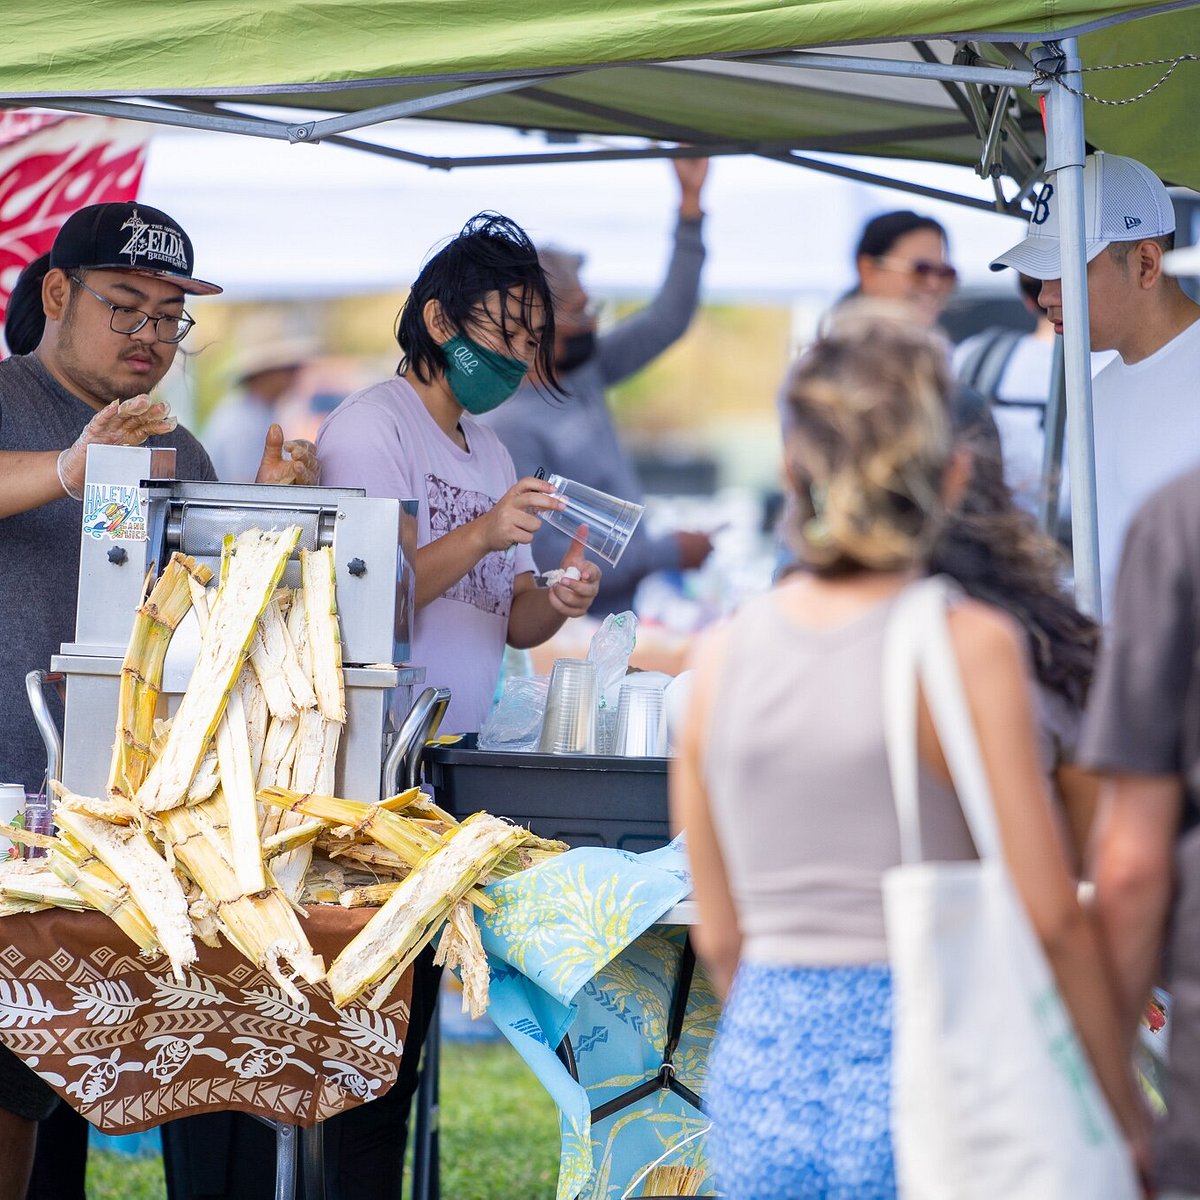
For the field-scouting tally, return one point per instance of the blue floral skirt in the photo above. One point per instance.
(799, 1085)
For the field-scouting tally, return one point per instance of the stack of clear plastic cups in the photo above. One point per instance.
(639, 722)
(569, 726)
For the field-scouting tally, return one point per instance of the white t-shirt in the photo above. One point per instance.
(384, 439)
(1146, 421)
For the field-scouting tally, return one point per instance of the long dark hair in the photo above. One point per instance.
(999, 556)
(490, 254)
(25, 319)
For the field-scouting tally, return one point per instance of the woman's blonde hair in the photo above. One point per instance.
(868, 437)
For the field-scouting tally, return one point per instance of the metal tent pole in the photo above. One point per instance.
(1064, 157)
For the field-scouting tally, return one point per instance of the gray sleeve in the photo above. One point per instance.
(1137, 704)
(643, 555)
(524, 425)
(630, 345)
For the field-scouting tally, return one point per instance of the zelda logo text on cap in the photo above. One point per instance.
(1041, 210)
(1132, 222)
(159, 243)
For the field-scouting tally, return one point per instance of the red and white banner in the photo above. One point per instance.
(52, 164)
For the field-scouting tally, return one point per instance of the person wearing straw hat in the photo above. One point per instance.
(264, 374)
(1146, 420)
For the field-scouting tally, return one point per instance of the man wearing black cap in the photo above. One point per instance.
(113, 305)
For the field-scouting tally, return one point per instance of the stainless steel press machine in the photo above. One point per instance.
(135, 514)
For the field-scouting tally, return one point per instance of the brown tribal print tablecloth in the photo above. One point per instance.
(129, 1047)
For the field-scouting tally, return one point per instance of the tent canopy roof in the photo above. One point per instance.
(726, 77)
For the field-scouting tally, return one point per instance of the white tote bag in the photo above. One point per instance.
(993, 1097)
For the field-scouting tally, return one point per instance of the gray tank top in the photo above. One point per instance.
(798, 784)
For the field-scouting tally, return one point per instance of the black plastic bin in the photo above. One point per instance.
(581, 799)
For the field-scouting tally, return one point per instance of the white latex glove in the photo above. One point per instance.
(127, 423)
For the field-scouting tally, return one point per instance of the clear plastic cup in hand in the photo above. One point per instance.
(569, 726)
(610, 521)
(640, 732)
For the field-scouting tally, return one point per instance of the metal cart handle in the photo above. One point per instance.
(35, 688)
(402, 767)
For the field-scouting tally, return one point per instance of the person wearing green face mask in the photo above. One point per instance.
(477, 319)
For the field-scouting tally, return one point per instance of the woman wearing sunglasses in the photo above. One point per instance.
(903, 256)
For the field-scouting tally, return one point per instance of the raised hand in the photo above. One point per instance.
(573, 597)
(287, 461)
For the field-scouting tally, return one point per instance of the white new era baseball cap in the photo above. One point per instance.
(1123, 201)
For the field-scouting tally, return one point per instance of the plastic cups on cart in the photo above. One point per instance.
(640, 732)
(609, 520)
(569, 726)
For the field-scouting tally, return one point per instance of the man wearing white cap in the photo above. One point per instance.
(1146, 417)
(264, 375)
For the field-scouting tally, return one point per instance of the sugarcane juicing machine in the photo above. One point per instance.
(136, 514)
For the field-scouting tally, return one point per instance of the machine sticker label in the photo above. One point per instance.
(114, 511)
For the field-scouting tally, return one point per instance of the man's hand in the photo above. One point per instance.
(299, 466)
(125, 423)
(573, 597)
(514, 520)
(691, 172)
(694, 548)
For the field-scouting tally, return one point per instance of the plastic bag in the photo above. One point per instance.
(612, 644)
(515, 723)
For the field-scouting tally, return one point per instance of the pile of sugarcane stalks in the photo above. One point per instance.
(211, 819)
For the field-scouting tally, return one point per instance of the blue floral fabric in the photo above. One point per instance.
(575, 948)
(799, 1085)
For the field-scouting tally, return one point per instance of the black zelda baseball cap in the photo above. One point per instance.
(128, 236)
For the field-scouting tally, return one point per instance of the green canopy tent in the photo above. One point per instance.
(953, 81)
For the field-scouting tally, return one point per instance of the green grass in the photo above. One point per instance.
(499, 1135)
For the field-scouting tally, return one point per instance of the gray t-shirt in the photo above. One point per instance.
(1144, 718)
(39, 552)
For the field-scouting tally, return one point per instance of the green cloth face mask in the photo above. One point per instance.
(481, 379)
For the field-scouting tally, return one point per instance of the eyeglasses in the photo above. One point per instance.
(129, 320)
(922, 268)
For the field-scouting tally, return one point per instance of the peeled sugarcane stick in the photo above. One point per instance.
(33, 882)
(129, 853)
(263, 926)
(461, 949)
(241, 803)
(391, 939)
(249, 576)
(156, 620)
(99, 889)
(312, 771)
(314, 756)
(368, 895)
(324, 638)
(273, 656)
(290, 838)
(377, 859)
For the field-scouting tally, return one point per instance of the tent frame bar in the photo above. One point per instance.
(1065, 151)
(849, 64)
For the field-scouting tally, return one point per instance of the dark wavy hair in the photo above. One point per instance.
(998, 554)
(25, 319)
(490, 254)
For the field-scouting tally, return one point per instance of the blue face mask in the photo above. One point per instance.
(481, 379)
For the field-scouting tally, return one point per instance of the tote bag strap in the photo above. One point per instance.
(918, 645)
